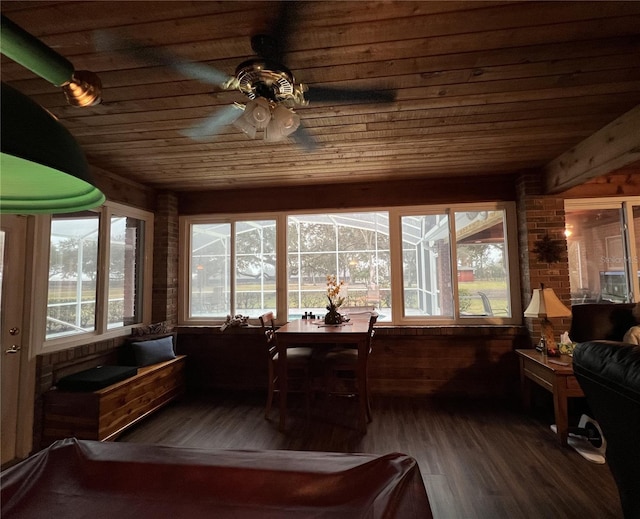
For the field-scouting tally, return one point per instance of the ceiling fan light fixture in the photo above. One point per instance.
(284, 121)
(84, 89)
(258, 113)
(245, 126)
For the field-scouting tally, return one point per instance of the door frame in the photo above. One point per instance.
(26, 387)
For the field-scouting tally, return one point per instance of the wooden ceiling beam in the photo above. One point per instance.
(611, 148)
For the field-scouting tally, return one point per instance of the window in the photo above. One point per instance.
(450, 264)
(481, 273)
(603, 240)
(126, 258)
(73, 274)
(97, 276)
(353, 246)
(483, 269)
(255, 272)
(212, 254)
(426, 262)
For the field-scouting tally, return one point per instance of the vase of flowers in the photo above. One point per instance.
(333, 295)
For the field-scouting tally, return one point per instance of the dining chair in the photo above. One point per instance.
(340, 369)
(298, 366)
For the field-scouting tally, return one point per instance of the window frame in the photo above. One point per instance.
(396, 274)
(184, 261)
(40, 274)
(512, 264)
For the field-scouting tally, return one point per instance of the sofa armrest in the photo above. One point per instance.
(613, 364)
(609, 374)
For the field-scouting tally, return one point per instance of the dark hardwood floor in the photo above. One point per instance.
(482, 460)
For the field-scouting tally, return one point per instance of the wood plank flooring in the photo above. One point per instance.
(479, 460)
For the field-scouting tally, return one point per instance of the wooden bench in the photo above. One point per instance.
(104, 414)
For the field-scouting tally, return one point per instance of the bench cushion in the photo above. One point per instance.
(96, 378)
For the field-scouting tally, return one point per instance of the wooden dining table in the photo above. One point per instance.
(312, 332)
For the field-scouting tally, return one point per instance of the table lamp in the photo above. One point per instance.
(544, 305)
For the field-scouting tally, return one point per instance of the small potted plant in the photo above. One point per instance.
(335, 301)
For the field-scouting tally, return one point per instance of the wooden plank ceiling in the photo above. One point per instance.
(480, 87)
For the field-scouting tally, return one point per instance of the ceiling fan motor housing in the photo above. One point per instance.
(268, 79)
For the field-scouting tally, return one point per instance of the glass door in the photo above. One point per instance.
(603, 246)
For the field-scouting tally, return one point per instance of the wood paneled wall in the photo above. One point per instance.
(349, 195)
(445, 361)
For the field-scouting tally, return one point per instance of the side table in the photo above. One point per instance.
(555, 374)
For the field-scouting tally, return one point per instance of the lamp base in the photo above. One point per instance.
(550, 342)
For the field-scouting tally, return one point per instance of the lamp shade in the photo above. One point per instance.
(42, 168)
(283, 123)
(258, 112)
(246, 126)
(545, 303)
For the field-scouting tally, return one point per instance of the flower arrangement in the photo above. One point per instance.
(333, 293)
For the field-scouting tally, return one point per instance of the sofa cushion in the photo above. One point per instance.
(601, 321)
(96, 378)
(153, 351)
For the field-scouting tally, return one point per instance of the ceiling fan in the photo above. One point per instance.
(272, 90)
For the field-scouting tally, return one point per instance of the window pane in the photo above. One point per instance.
(255, 267)
(210, 270)
(125, 271)
(73, 260)
(483, 284)
(353, 246)
(596, 256)
(426, 259)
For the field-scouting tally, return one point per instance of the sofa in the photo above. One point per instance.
(608, 371)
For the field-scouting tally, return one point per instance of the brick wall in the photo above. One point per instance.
(165, 263)
(540, 215)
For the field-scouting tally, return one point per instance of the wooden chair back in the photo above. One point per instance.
(267, 321)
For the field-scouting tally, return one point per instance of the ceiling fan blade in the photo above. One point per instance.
(304, 139)
(345, 95)
(105, 41)
(213, 124)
